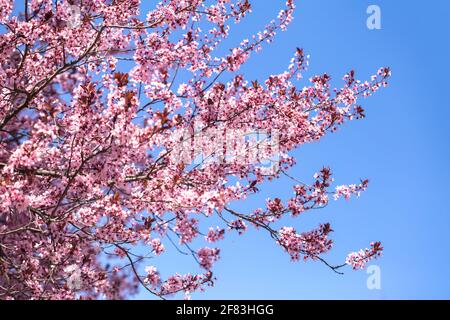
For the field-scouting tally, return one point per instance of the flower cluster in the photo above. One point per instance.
(215, 235)
(152, 279)
(207, 257)
(353, 189)
(358, 260)
(308, 244)
(158, 247)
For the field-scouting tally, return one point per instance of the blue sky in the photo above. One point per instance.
(402, 146)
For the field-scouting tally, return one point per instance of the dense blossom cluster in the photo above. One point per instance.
(91, 188)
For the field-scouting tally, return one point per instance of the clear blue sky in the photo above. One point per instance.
(402, 146)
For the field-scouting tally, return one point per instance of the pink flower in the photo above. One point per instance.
(308, 244)
(152, 277)
(158, 247)
(207, 257)
(215, 235)
(106, 153)
(347, 190)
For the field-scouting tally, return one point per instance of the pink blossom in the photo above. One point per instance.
(358, 260)
(98, 114)
(158, 247)
(152, 278)
(308, 244)
(215, 235)
(353, 189)
(187, 229)
(5, 9)
(207, 257)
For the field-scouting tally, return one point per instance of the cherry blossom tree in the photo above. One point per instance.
(120, 132)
